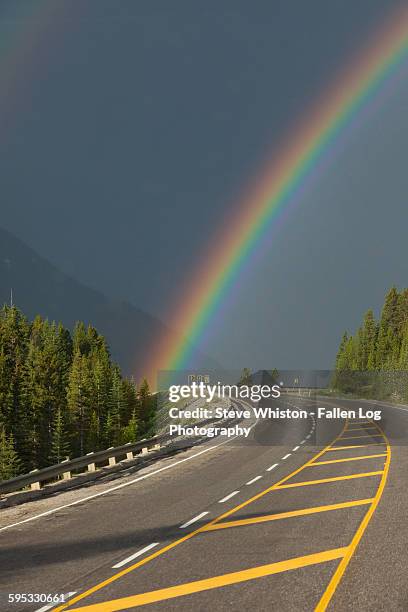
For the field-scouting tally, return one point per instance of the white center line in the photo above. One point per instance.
(272, 467)
(137, 554)
(295, 449)
(49, 606)
(253, 480)
(227, 497)
(286, 456)
(193, 520)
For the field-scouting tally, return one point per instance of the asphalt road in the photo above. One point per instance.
(287, 520)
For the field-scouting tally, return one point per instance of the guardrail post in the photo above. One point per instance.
(145, 450)
(129, 455)
(35, 486)
(156, 447)
(66, 475)
(91, 466)
(112, 460)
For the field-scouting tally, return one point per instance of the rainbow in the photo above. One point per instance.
(280, 183)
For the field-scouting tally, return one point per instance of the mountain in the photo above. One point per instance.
(40, 288)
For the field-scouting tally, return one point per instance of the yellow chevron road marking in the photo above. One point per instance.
(338, 574)
(335, 448)
(357, 437)
(324, 480)
(361, 428)
(361, 422)
(348, 459)
(216, 582)
(290, 514)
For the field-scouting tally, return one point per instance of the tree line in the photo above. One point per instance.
(61, 395)
(375, 359)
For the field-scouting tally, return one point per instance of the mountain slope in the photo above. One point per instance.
(40, 288)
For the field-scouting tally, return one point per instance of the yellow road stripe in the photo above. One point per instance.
(356, 437)
(348, 459)
(335, 448)
(190, 535)
(216, 582)
(338, 574)
(361, 423)
(361, 428)
(324, 480)
(284, 515)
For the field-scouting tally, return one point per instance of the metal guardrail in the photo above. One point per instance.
(89, 461)
(52, 473)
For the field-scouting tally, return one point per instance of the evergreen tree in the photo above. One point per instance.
(116, 407)
(14, 330)
(131, 402)
(80, 339)
(388, 333)
(147, 413)
(101, 374)
(368, 342)
(246, 377)
(9, 461)
(59, 439)
(130, 431)
(78, 400)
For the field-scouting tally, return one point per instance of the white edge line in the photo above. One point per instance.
(269, 469)
(286, 456)
(49, 606)
(193, 520)
(227, 497)
(136, 554)
(121, 486)
(253, 480)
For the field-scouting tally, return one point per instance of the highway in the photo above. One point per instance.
(302, 515)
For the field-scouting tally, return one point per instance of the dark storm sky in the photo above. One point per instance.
(129, 128)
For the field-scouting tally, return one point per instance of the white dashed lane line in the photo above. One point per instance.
(253, 480)
(49, 606)
(295, 449)
(286, 456)
(134, 556)
(193, 520)
(269, 469)
(227, 497)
